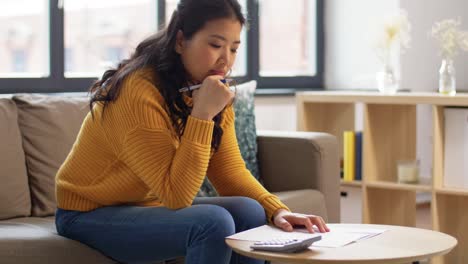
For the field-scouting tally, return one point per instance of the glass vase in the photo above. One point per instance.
(447, 81)
(387, 82)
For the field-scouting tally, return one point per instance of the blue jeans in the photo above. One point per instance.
(133, 234)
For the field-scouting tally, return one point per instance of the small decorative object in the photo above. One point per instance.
(387, 82)
(396, 30)
(447, 81)
(451, 39)
(408, 171)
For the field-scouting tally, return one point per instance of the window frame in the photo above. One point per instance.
(281, 83)
(57, 82)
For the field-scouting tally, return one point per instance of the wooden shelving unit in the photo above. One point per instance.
(399, 186)
(389, 135)
(351, 183)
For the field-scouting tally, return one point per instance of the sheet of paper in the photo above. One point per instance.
(267, 232)
(337, 237)
(332, 239)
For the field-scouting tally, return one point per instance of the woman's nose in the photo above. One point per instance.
(225, 58)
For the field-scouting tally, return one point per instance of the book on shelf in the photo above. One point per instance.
(341, 168)
(349, 156)
(358, 158)
(352, 156)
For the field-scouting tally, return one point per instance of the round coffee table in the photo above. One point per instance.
(398, 244)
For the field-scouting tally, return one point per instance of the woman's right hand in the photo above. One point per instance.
(210, 98)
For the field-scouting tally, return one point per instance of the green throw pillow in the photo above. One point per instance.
(245, 132)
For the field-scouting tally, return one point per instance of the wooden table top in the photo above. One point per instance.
(397, 245)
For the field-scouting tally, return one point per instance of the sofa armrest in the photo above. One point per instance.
(301, 160)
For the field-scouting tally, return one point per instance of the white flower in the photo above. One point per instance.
(396, 29)
(464, 42)
(450, 37)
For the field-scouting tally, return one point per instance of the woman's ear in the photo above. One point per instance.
(179, 42)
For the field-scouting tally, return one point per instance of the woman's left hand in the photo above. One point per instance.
(286, 220)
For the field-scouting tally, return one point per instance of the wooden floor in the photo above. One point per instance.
(423, 216)
(423, 219)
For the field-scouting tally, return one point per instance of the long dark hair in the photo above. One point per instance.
(157, 52)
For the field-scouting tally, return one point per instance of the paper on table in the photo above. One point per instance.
(267, 232)
(337, 237)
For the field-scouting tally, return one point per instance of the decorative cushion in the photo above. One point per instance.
(207, 189)
(245, 132)
(15, 199)
(49, 125)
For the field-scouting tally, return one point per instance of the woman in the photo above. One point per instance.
(128, 186)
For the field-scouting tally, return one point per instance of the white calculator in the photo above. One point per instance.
(285, 245)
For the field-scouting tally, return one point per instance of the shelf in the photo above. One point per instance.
(389, 134)
(451, 217)
(452, 191)
(314, 117)
(351, 183)
(422, 186)
(389, 206)
(409, 98)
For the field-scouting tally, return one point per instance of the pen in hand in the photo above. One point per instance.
(194, 87)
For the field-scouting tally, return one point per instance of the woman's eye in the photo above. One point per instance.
(215, 46)
(234, 50)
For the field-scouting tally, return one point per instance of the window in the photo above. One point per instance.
(294, 53)
(99, 40)
(19, 60)
(69, 61)
(113, 56)
(24, 39)
(286, 44)
(64, 45)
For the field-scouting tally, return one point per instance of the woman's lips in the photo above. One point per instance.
(217, 73)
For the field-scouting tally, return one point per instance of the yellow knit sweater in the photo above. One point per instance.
(132, 156)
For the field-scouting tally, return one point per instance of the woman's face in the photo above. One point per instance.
(212, 50)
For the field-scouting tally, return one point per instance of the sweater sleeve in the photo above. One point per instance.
(229, 175)
(173, 173)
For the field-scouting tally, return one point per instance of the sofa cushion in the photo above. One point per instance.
(49, 125)
(295, 201)
(15, 199)
(34, 240)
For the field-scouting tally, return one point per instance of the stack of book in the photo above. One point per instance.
(352, 156)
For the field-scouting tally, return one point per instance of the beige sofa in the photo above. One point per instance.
(37, 131)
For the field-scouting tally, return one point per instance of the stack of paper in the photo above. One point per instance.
(337, 237)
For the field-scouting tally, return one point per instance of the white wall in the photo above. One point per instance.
(420, 64)
(275, 113)
(350, 28)
(350, 61)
